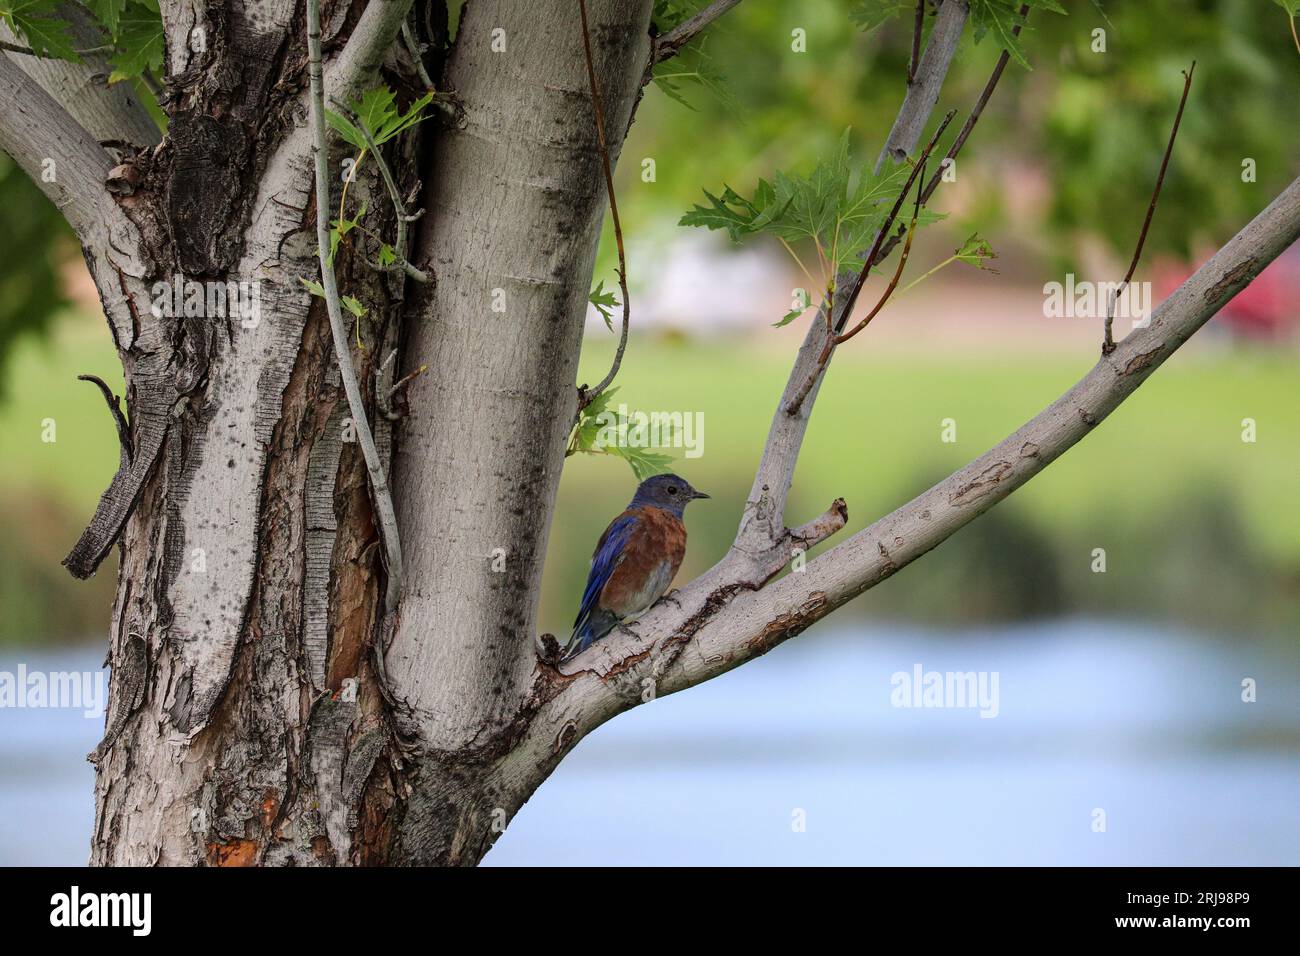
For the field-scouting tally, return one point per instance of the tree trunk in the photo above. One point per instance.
(247, 722)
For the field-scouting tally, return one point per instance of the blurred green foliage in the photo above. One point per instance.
(31, 241)
(1093, 123)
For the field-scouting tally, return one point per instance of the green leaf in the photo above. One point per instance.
(314, 287)
(870, 14)
(37, 22)
(140, 41)
(826, 208)
(345, 128)
(353, 306)
(802, 296)
(108, 12)
(643, 463)
(588, 427)
(377, 111)
(1292, 7)
(341, 227)
(387, 255)
(999, 19)
(976, 251)
(605, 303)
(694, 66)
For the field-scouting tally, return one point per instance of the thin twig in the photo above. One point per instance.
(385, 393)
(1108, 342)
(383, 498)
(586, 396)
(833, 334)
(962, 136)
(398, 205)
(888, 224)
(413, 47)
(29, 51)
(893, 283)
(123, 430)
(670, 43)
(916, 41)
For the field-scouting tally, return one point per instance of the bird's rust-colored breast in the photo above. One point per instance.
(651, 557)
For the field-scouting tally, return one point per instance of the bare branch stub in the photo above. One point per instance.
(671, 42)
(119, 420)
(1108, 341)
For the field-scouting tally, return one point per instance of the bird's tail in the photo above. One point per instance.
(587, 632)
(579, 641)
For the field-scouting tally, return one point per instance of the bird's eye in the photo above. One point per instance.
(672, 489)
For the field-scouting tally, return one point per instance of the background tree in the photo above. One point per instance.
(266, 706)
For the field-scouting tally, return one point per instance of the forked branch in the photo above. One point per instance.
(715, 624)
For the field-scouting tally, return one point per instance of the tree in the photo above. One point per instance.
(282, 693)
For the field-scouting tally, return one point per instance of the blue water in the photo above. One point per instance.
(1145, 725)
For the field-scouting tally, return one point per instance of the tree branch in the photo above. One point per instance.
(36, 131)
(106, 112)
(917, 27)
(383, 498)
(671, 42)
(364, 53)
(724, 618)
(923, 89)
(764, 515)
(962, 136)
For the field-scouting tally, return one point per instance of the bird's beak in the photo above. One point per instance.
(699, 494)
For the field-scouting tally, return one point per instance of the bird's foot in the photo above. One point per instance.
(671, 598)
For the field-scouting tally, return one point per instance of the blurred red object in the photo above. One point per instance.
(1267, 309)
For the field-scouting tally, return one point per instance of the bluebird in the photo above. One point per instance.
(635, 559)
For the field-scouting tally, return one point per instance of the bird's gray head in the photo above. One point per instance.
(666, 491)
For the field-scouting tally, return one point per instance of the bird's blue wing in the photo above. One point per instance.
(603, 563)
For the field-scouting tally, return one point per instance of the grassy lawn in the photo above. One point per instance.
(876, 430)
(1146, 473)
